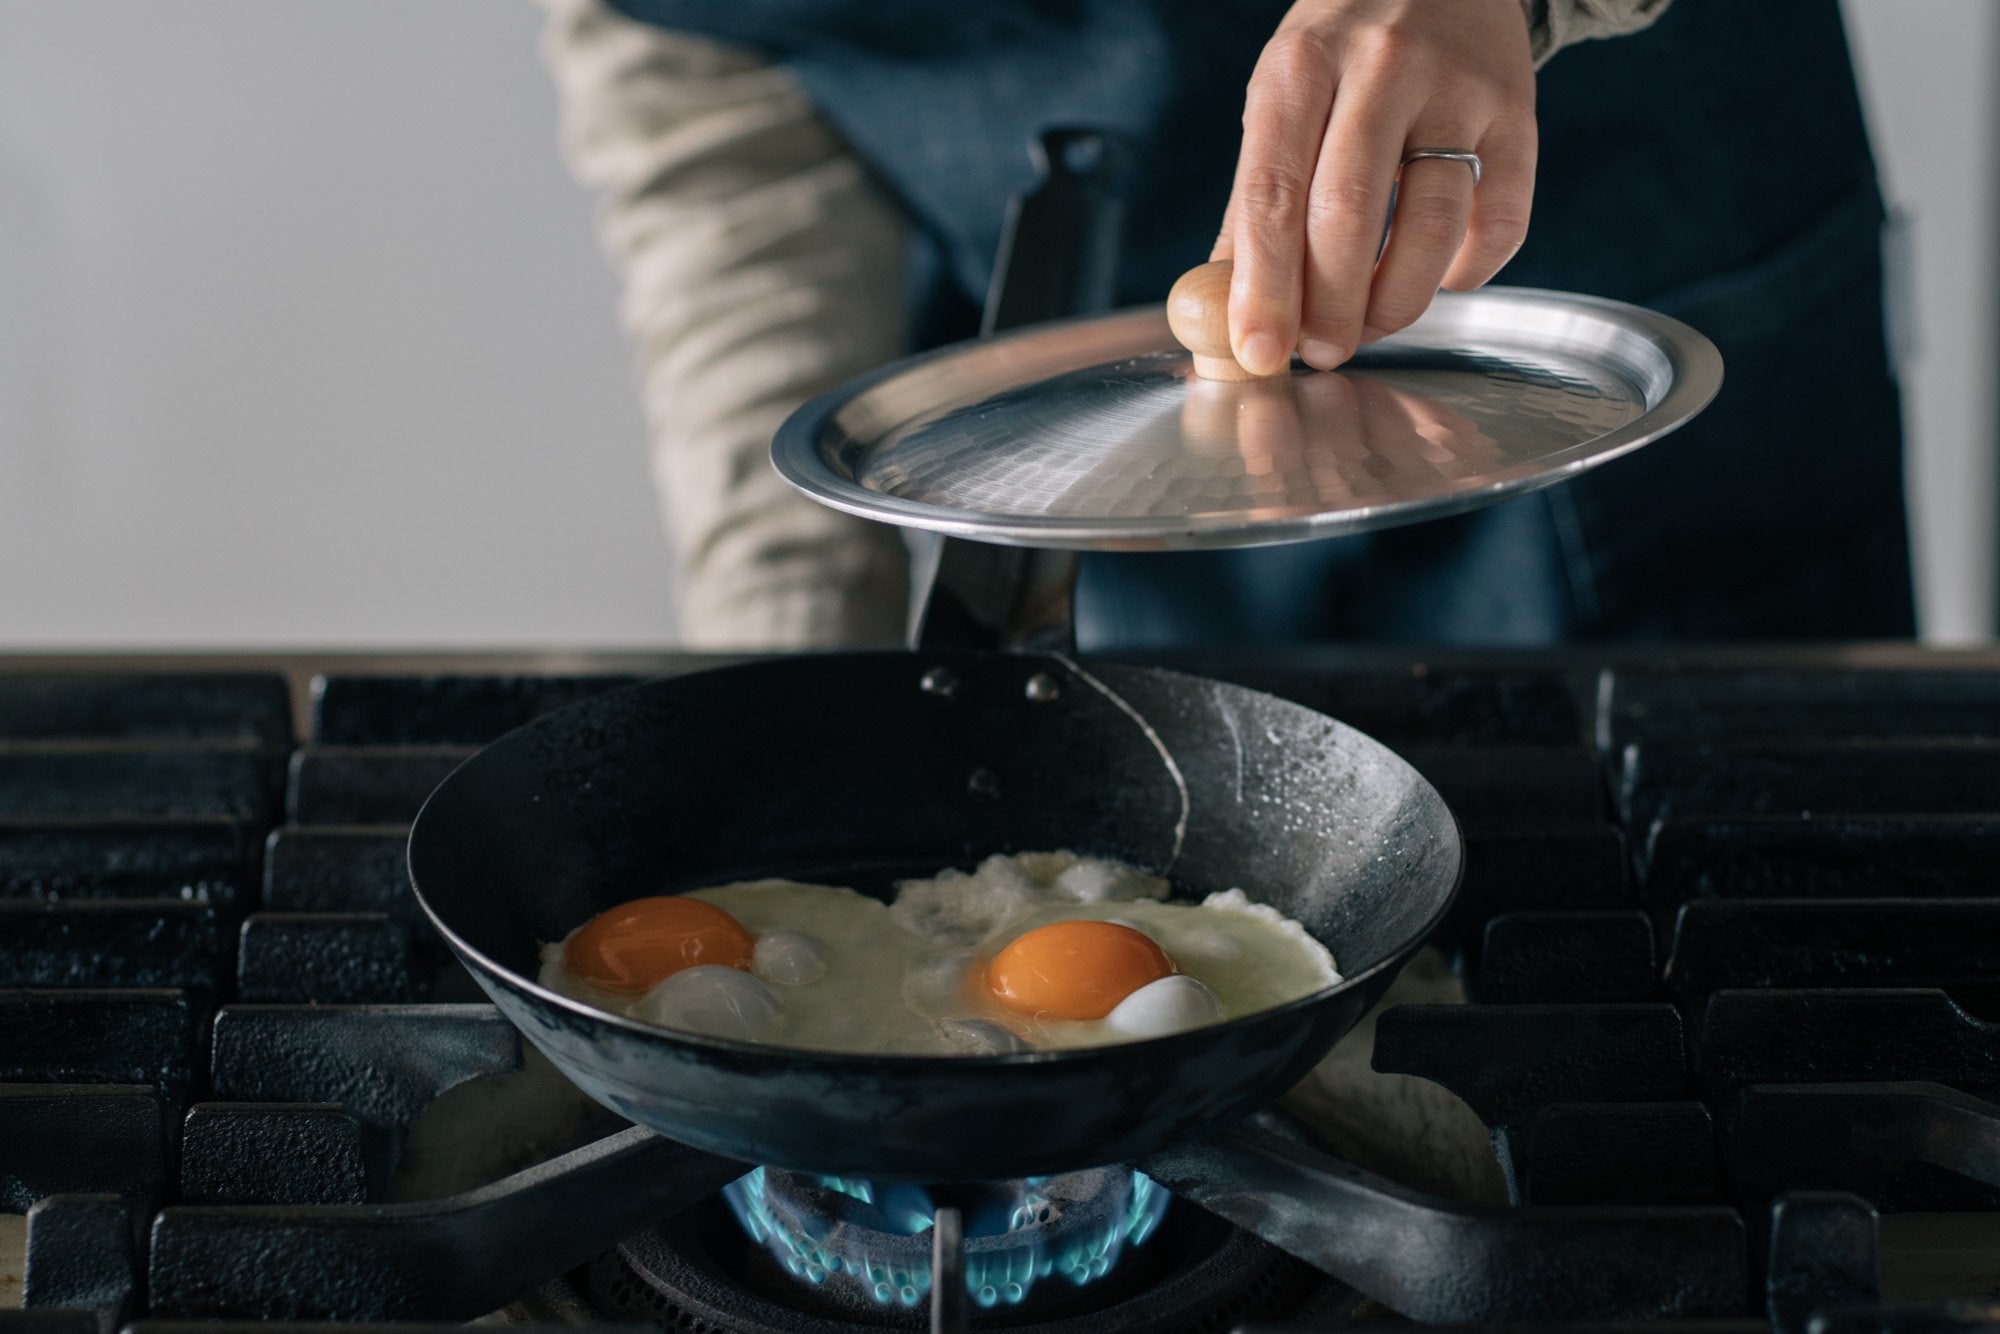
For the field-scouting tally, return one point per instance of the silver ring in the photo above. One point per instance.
(1446, 155)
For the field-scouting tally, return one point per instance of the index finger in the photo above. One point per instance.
(1284, 119)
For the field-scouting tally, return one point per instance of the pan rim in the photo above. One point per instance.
(809, 1058)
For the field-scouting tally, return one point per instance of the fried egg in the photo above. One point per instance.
(1030, 951)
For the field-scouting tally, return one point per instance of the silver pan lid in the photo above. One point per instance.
(1096, 434)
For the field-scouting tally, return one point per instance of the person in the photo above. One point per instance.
(800, 190)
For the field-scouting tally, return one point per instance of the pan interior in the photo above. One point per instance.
(864, 768)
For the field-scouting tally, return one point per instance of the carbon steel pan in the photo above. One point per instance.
(860, 768)
(1095, 434)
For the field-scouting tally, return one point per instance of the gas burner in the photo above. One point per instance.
(872, 1241)
(702, 1271)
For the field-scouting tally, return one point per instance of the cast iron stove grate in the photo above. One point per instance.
(1726, 928)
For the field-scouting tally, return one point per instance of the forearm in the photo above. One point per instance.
(761, 264)
(1556, 24)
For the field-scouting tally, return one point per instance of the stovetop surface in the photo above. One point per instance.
(1730, 934)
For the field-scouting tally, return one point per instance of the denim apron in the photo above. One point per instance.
(1714, 167)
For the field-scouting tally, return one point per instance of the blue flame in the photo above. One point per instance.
(863, 1191)
(904, 1209)
(995, 1274)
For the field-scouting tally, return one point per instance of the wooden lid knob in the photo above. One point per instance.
(1198, 313)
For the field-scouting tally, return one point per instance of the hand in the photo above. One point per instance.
(1342, 91)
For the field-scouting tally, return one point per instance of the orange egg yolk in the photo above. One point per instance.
(631, 947)
(1074, 970)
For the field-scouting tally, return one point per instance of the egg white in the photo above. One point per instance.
(835, 970)
(854, 1003)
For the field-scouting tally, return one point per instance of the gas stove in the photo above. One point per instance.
(1729, 942)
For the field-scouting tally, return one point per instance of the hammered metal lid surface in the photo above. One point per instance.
(1097, 434)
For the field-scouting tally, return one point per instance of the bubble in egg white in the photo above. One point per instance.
(1170, 1005)
(1091, 880)
(1211, 947)
(789, 958)
(715, 1001)
(979, 1037)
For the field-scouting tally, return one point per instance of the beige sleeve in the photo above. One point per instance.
(1560, 23)
(761, 264)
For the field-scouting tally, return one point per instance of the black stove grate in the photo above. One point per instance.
(1729, 931)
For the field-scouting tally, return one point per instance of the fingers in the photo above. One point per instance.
(1284, 120)
(1433, 205)
(1339, 95)
(1350, 201)
(1500, 206)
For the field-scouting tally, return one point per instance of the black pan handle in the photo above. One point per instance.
(974, 595)
(1058, 257)
(1059, 244)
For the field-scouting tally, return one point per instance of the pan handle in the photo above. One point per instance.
(1058, 257)
(975, 595)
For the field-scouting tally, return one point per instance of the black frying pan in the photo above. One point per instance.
(859, 769)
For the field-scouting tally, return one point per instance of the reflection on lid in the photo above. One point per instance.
(1143, 438)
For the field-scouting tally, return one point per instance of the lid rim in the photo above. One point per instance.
(1694, 377)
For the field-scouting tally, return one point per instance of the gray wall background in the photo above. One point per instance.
(305, 338)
